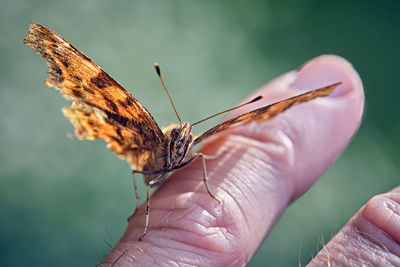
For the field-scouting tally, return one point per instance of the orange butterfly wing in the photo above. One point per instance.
(102, 108)
(267, 112)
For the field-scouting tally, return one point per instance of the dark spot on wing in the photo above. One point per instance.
(117, 118)
(54, 45)
(103, 80)
(122, 103)
(90, 91)
(99, 83)
(110, 104)
(65, 63)
(129, 101)
(118, 130)
(56, 69)
(61, 57)
(55, 73)
(137, 126)
(77, 78)
(57, 54)
(77, 93)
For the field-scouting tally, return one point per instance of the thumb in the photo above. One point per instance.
(262, 167)
(371, 237)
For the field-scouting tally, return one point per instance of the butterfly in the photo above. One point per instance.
(103, 109)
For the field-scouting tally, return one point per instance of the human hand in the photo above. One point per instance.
(263, 167)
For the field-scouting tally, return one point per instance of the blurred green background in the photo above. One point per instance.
(62, 200)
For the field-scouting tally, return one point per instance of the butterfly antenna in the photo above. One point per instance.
(165, 88)
(242, 105)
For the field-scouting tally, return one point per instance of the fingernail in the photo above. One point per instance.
(326, 70)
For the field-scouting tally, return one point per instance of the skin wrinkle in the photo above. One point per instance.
(182, 249)
(197, 231)
(188, 211)
(248, 185)
(230, 176)
(350, 248)
(164, 257)
(161, 254)
(235, 202)
(260, 156)
(192, 248)
(240, 206)
(241, 190)
(253, 161)
(393, 216)
(394, 205)
(249, 168)
(377, 212)
(181, 201)
(205, 256)
(193, 245)
(206, 251)
(202, 228)
(202, 209)
(274, 152)
(367, 246)
(341, 255)
(378, 237)
(207, 219)
(242, 185)
(265, 139)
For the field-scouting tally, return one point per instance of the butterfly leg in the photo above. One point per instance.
(136, 194)
(203, 162)
(151, 183)
(147, 213)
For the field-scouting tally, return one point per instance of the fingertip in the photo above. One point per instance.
(328, 69)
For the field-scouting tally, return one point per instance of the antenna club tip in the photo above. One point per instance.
(157, 68)
(256, 99)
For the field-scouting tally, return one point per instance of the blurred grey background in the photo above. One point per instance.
(64, 202)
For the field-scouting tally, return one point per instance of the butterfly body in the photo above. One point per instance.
(177, 148)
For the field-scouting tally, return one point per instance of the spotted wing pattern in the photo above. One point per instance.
(101, 107)
(267, 112)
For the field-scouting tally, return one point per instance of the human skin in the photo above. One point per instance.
(260, 169)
